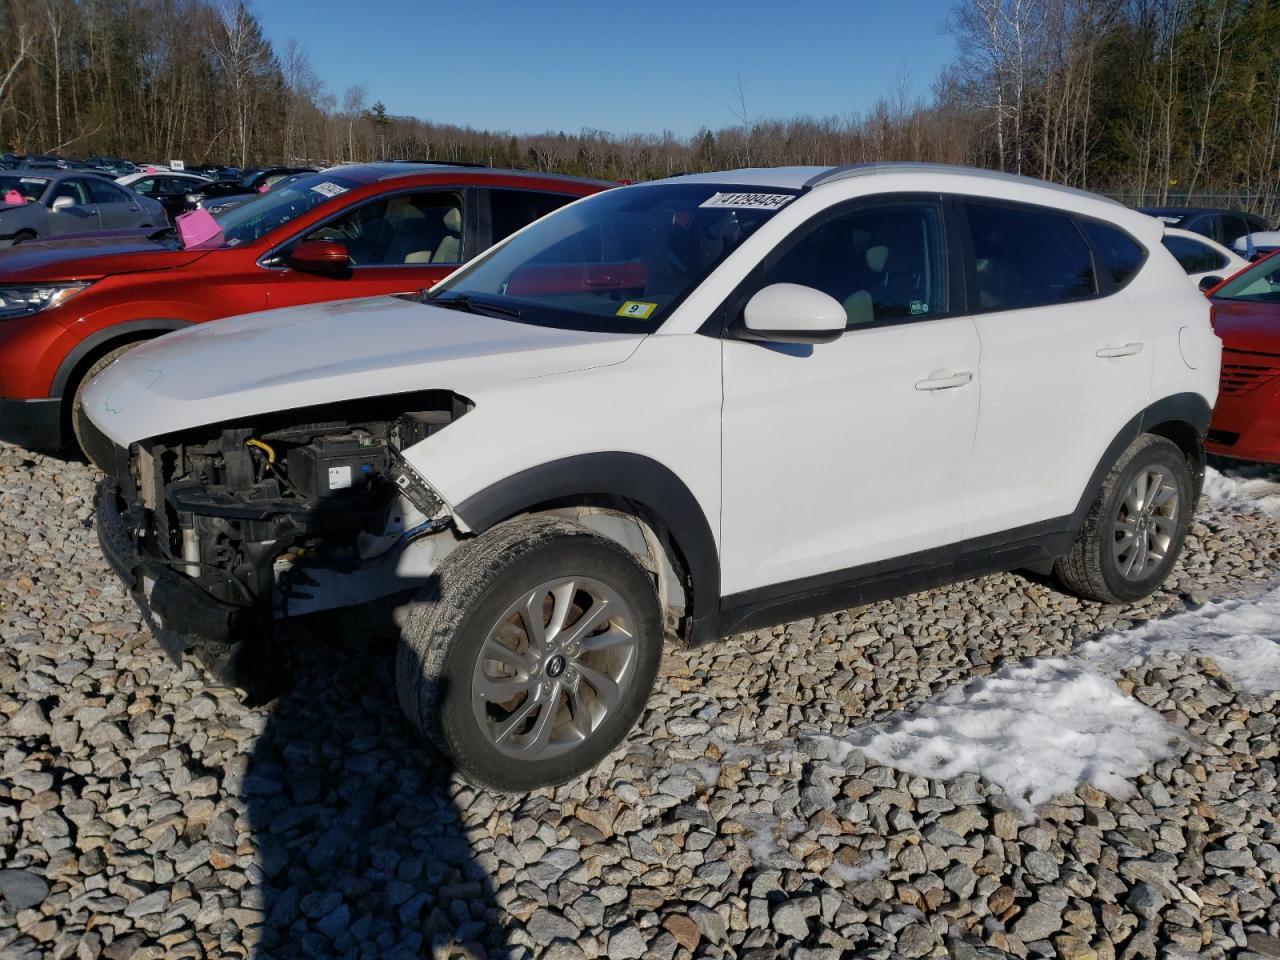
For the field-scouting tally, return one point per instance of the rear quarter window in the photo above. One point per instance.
(1116, 254)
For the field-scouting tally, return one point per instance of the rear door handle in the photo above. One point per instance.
(1125, 350)
(947, 382)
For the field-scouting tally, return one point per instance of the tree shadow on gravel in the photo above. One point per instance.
(357, 823)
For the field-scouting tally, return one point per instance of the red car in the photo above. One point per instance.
(1246, 421)
(69, 307)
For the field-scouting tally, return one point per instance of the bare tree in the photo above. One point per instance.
(353, 101)
(243, 54)
(23, 38)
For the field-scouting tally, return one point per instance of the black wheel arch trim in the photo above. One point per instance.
(629, 475)
(1180, 408)
(123, 332)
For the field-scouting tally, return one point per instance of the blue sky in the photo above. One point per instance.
(626, 68)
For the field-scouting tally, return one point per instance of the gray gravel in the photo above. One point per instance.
(143, 814)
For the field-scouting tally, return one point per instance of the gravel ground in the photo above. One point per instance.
(143, 814)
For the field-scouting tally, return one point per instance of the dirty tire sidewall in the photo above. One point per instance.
(77, 400)
(1090, 569)
(447, 626)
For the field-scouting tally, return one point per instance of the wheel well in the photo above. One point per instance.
(1188, 440)
(82, 366)
(646, 537)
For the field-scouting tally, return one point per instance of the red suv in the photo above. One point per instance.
(69, 307)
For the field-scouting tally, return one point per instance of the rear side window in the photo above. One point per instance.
(1194, 257)
(104, 192)
(511, 210)
(1117, 254)
(1027, 257)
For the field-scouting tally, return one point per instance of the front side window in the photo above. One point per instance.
(883, 262)
(619, 261)
(75, 189)
(1194, 257)
(413, 228)
(146, 186)
(1118, 255)
(1259, 284)
(257, 217)
(1027, 257)
(1235, 227)
(510, 210)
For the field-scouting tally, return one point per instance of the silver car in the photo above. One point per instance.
(39, 204)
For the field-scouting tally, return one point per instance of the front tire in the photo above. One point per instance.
(532, 654)
(1135, 528)
(78, 420)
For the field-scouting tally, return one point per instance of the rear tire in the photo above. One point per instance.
(519, 705)
(78, 419)
(1135, 528)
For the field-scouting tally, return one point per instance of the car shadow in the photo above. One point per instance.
(357, 823)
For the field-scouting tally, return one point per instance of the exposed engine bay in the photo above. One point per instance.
(225, 528)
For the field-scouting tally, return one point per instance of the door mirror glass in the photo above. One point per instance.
(1208, 283)
(327, 258)
(62, 203)
(791, 313)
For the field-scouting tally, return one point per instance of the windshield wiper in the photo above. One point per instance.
(469, 305)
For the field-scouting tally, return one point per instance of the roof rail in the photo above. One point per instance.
(906, 166)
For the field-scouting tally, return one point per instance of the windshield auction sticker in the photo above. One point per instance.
(637, 309)
(329, 189)
(748, 201)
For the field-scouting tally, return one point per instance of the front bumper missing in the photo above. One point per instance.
(179, 613)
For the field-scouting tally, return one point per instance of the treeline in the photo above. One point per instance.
(1158, 100)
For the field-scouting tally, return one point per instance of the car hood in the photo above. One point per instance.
(90, 256)
(285, 359)
(1251, 327)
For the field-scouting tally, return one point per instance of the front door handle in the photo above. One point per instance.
(1124, 350)
(947, 382)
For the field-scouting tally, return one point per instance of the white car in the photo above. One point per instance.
(677, 410)
(1206, 262)
(1258, 244)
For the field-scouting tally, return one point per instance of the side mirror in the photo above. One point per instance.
(791, 313)
(328, 258)
(1208, 283)
(62, 203)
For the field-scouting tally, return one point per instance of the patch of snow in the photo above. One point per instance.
(768, 837)
(1242, 636)
(874, 866)
(1247, 486)
(1038, 729)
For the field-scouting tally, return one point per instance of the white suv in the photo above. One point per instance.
(680, 409)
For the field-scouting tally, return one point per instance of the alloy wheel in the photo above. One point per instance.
(553, 668)
(1146, 523)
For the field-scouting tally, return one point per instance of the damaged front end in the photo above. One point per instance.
(220, 531)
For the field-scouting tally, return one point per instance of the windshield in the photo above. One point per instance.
(31, 188)
(1259, 284)
(620, 261)
(257, 217)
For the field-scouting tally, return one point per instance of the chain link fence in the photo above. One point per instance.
(1263, 205)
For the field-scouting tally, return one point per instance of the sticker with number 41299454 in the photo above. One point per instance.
(637, 309)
